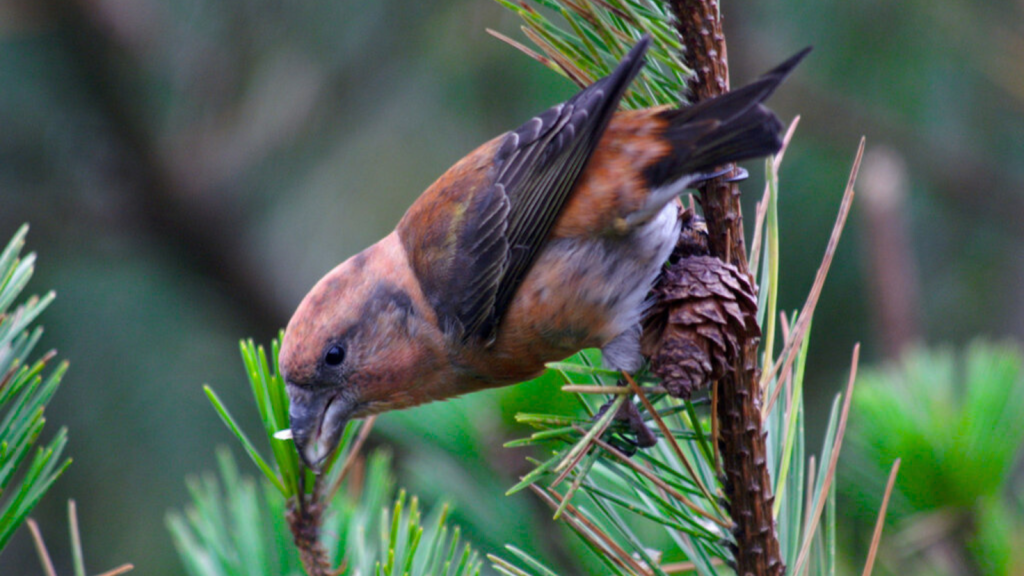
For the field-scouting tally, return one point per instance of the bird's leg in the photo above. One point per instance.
(623, 353)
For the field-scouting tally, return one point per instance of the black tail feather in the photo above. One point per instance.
(729, 128)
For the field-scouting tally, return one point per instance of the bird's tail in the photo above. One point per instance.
(728, 128)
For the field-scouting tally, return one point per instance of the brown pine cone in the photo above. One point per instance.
(703, 310)
(693, 235)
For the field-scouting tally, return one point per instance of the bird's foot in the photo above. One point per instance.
(636, 433)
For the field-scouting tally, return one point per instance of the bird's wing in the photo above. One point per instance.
(534, 169)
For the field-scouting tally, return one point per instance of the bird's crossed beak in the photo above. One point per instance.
(318, 418)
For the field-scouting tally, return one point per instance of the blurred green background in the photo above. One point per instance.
(190, 168)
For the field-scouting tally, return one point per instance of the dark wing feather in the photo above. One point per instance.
(728, 128)
(535, 168)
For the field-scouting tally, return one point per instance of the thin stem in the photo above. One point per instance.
(305, 520)
(746, 480)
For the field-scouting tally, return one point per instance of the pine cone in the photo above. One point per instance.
(703, 311)
(693, 235)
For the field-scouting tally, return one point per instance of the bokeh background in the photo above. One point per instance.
(191, 167)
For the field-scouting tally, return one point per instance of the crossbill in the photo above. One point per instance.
(539, 243)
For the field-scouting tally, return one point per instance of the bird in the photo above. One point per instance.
(541, 242)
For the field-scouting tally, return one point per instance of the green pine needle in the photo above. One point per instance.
(588, 39)
(234, 526)
(24, 393)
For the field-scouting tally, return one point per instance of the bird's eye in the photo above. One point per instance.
(335, 356)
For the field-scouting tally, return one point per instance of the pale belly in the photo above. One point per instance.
(583, 293)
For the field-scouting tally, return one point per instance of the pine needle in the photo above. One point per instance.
(807, 312)
(876, 536)
(661, 484)
(831, 470)
(672, 442)
(44, 555)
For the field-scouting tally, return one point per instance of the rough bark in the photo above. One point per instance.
(748, 486)
(305, 522)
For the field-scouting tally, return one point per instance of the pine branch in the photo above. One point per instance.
(240, 528)
(302, 490)
(306, 523)
(24, 394)
(742, 439)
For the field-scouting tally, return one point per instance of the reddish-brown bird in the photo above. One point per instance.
(544, 241)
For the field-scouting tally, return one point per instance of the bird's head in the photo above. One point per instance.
(360, 343)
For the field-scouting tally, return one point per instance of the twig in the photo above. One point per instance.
(305, 520)
(305, 517)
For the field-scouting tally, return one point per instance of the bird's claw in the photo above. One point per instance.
(642, 436)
